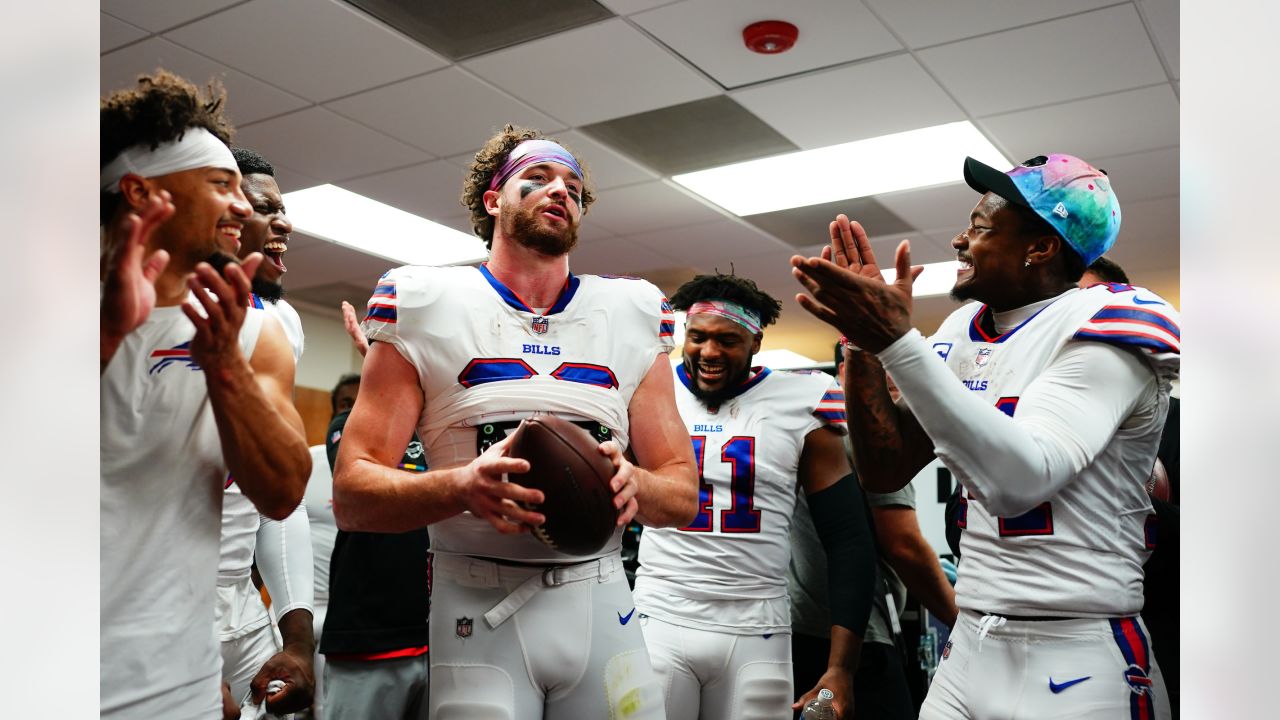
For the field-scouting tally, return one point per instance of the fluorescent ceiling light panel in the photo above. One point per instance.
(360, 223)
(937, 279)
(902, 161)
(783, 359)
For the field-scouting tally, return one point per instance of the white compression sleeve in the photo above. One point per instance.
(1065, 417)
(284, 559)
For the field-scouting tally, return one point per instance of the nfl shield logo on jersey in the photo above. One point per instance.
(946, 649)
(540, 324)
(984, 354)
(464, 627)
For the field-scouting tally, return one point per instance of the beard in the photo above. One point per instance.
(269, 291)
(715, 398)
(523, 227)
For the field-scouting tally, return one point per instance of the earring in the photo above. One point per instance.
(1026, 264)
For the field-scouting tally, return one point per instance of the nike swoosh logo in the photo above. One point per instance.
(624, 619)
(1140, 301)
(1056, 688)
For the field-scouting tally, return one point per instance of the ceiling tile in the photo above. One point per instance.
(630, 7)
(289, 179)
(326, 146)
(412, 111)
(927, 22)
(634, 75)
(308, 46)
(248, 99)
(903, 95)
(113, 33)
(945, 206)
(1142, 176)
(1053, 65)
(608, 168)
(696, 135)
(647, 206)
(1163, 19)
(806, 226)
(615, 256)
(708, 33)
(429, 190)
(1125, 122)
(157, 16)
(1149, 235)
(709, 244)
(460, 30)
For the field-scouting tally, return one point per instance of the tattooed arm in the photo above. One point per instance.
(889, 446)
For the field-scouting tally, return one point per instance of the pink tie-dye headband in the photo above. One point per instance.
(533, 152)
(730, 310)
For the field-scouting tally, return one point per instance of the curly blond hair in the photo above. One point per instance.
(488, 160)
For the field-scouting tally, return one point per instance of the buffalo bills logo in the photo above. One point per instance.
(984, 354)
(540, 325)
(1138, 681)
(464, 627)
(176, 354)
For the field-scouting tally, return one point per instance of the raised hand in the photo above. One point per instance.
(352, 324)
(225, 303)
(129, 274)
(487, 495)
(849, 292)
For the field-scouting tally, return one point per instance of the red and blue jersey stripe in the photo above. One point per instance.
(1144, 327)
(831, 407)
(1132, 641)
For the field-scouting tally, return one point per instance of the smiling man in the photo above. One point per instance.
(519, 629)
(1046, 402)
(195, 386)
(251, 656)
(713, 594)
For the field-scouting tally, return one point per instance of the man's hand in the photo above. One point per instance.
(484, 491)
(840, 682)
(625, 483)
(217, 338)
(850, 293)
(230, 708)
(297, 673)
(352, 324)
(129, 275)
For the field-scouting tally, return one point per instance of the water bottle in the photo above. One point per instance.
(820, 708)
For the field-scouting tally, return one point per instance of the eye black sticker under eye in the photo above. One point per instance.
(527, 187)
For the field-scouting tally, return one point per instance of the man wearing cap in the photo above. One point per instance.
(194, 386)
(1046, 401)
(463, 354)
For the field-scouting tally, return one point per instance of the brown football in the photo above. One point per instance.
(574, 478)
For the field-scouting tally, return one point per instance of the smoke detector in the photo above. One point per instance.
(770, 37)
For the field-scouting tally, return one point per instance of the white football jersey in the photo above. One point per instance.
(485, 360)
(240, 519)
(1080, 553)
(727, 570)
(318, 501)
(161, 497)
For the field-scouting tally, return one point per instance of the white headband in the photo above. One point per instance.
(196, 148)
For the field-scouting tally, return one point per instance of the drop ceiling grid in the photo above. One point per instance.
(1132, 129)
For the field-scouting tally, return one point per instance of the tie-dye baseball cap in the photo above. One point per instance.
(1069, 193)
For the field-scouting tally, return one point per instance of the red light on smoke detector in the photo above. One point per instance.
(770, 37)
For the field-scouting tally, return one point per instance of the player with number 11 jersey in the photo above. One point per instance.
(713, 595)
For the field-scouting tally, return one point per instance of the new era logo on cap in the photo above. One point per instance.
(1060, 210)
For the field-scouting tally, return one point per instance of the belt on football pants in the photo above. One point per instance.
(487, 572)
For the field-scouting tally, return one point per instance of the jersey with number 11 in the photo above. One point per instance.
(737, 547)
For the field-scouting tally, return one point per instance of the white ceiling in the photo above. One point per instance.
(330, 94)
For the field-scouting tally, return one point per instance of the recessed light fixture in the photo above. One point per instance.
(901, 161)
(340, 216)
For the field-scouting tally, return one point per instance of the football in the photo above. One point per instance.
(574, 478)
